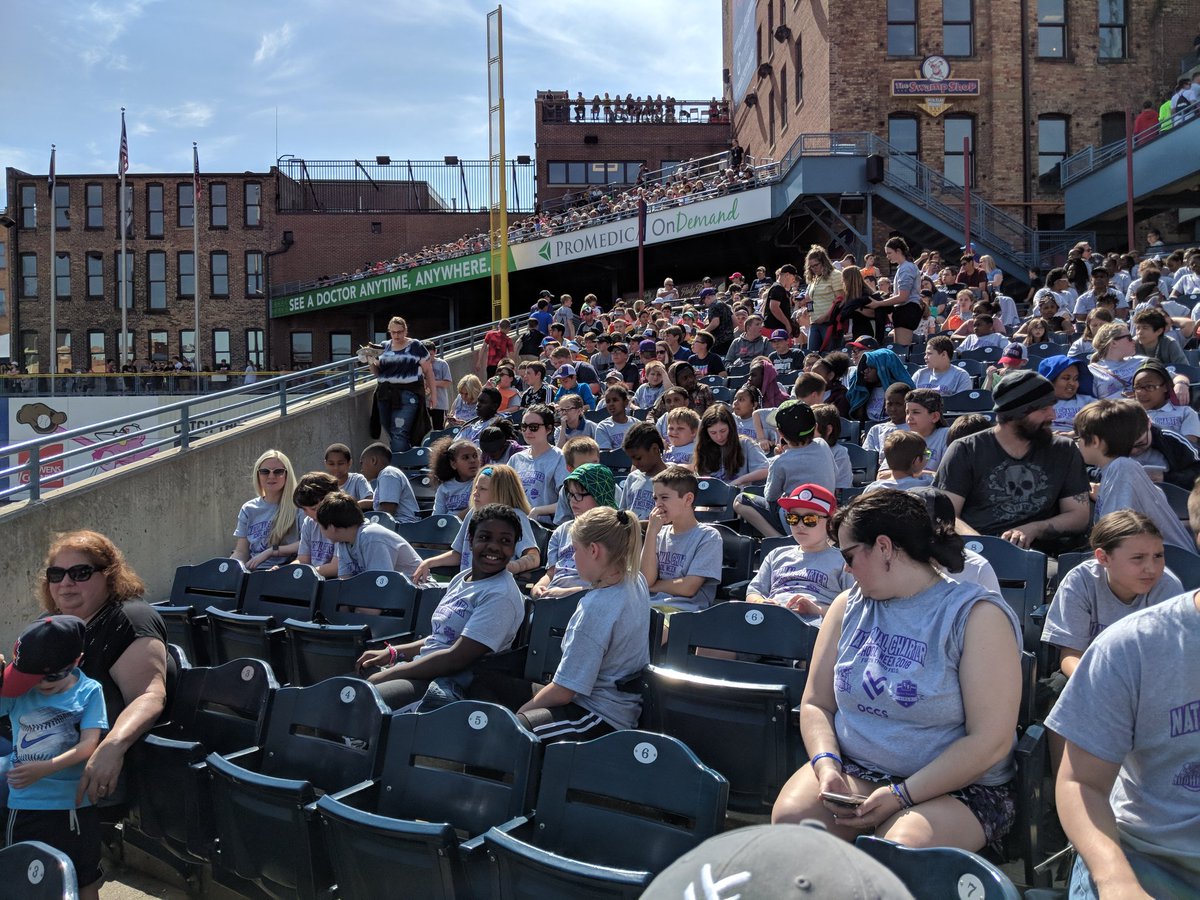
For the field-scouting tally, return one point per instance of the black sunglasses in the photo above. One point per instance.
(80, 573)
(58, 676)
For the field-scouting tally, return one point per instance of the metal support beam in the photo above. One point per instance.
(862, 239)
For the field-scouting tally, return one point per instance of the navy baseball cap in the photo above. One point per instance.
(48, 646)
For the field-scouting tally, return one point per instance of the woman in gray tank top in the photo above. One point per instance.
(913, 691)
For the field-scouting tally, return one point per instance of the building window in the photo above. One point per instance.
(301, 349)
(340, 346)
(254, 347)
(904, 136)
(62, 276)
(759, 51)
(1052, 142)
(129, 283)
(187, 275)
(219, 274)
(221, 354)
(156, 275)
(158, 347)
(799, 69)
(29, 206)
(128, 211)
(95, 276)
(29, 280)
(218, 206)
(3, 303)
(902, 28)
(187, 204)
(958, 128)
(254, 273)
(3, 255)
(154, 210)
(771, 119)
(956, 28)
(783, 98)
(187, 346)
(253, 195)
(1112, 128)
(96, 353)
(62, 206)
(94, 201)
(62, 346)
(1112, 29)
(29, 351)
(1052, 29)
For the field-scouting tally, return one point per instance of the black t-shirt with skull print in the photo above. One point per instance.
(1002, 492)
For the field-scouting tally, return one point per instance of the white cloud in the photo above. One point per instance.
(101, 26)
(272, 43)
(190, 114)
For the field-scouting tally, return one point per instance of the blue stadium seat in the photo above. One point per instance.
(458, 770)
(214, 710)
(714, 500)
(289, 592)
(1177, 497)
(32, 870)
(713, 380)
(423, 488)
(935, 873)
(851, 432)
(596, 415)
(972, 367)
(1185, 565)
(379, 517)
(702, 699)
(219, 582)
(988, 355)
(435, 436)
(537, 649)
(316, 739)
(616, 460)
(722, 393)
(340, 631)
(415, 459)
(969, 402)
(1022, 576)
(863, 462)
(611, 813)
(432, 535)
(737, 559)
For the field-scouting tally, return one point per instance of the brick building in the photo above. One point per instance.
(5, 226)
(1048, 88)
(237, 233)
(575, 154)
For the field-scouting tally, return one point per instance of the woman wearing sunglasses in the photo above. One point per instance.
(1115, 362)
(541, 466)
(913, 690)
(266, 530)
(807, 576)
(125, 647)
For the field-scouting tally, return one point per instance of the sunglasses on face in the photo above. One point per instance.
(531, 426)
(266, 473)
(58, 676)
(808, 520)
(80, 573)
(848, 553)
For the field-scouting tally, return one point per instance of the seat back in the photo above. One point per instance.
(547, 628)
(423, 489)
(427, 601)
(864, 463)
(219, 582)
(629, 799)
(470, 764)
(617, 461)
(1177, 497)
(221, 707)
(713, 499)
(327, 734)
(390, 595)
(434, 436)
(431, 535)
(379, 517)
(289, 592)
(1185, 565)
(981, 354)
(933, 873)
(851, 431)
(969, 402)
(36, 871)
(722, 393)
(766, 545)
(737, 555)
(596, 415)
(413, 460)
(1022, 576)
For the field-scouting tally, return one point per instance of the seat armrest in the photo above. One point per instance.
(364, 795)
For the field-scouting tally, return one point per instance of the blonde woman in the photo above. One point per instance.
(469, 387)
(266, 532)
(401, 395)
(825, 291)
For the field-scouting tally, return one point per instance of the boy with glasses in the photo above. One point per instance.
(807, 576)
(58, 714)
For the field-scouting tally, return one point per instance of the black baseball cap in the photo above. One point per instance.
(49, 645)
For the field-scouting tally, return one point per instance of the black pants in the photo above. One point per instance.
(438, 418)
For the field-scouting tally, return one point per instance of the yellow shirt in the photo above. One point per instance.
(822, 292)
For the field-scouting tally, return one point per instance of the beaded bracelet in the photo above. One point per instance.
(392, 653)
(900, 795)
(837, 759)
(904, 790)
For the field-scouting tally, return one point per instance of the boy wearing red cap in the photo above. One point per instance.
(58, 715)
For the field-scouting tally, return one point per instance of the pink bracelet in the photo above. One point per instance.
(392, 654)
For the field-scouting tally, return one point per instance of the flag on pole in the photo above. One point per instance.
(51, 178)
(196, 171)
(123, 155)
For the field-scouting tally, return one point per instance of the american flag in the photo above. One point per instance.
(51, 178)
(196, 171)
(123, 155)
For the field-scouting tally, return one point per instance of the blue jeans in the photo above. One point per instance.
(816, 336)
(1157, 877)
(397, 419)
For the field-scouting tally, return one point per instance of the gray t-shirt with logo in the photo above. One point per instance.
(1134, 701)
(696, 551)
(1084, 605)
(376, 548)
(896, 678)
(313, 543)
(488, 611)
(541, 476)
(392, 487)
(790, 570)
(637, 494)
(560, 553)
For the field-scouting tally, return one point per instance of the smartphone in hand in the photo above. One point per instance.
(851, 801)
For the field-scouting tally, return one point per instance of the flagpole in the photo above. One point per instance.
(196, 265)
(122, 165)
(53, 280)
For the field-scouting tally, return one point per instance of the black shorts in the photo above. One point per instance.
(79, 839)
(906, 315)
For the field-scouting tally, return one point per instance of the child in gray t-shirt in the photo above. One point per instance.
(681, 560)
(391, 491)
(362, 546)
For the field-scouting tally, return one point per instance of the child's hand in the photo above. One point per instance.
(657, 519)
(25, 774)
(803, 605)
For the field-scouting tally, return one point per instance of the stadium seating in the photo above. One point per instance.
(864, 463)
(617, 461)
(458, 770)
(1022, 576)
(714, 501)
(969, 402)
(431, 535)
(737, 558)
(423, 488)
(988, 355)
(289, 592)
(703, 699)
(379, 517)
(413, 460)
(935, 873)
(315, 740)
(219, 582)
(610, 814)
(32, 870)
(1185, 565)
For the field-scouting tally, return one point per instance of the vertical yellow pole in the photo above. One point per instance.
(497, 190)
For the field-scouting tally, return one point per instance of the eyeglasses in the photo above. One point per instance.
(78, 574)
(266, 473)
(809, 520)
(578, 497)
(531, 426)
(1149, 387)
(848, 553)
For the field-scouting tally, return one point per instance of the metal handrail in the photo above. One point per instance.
(1091, 158)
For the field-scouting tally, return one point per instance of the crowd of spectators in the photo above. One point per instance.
(618, 109)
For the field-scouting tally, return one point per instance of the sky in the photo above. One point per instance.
(250, 81)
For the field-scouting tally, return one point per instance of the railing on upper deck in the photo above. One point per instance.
(1091, 158)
